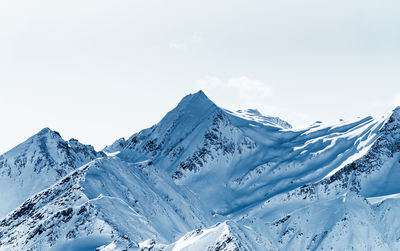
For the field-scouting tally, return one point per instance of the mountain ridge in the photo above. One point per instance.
(205, 178)
(37, 163)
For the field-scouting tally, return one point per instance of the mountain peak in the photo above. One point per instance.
(38, 162)
(195, 100)
(191, 106)
(46, 131)
(193, 111)
(199, 94)
(41, 139)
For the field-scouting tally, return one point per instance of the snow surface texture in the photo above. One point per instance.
(38, 163)
(205, 178)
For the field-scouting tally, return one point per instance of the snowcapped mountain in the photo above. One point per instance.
(36, 164)
(243, 161)
(103, 201)
(205, 178)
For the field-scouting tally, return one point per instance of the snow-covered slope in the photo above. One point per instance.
(347, 222)
(105, 201)
(370, 173)
(236, 160)
(205, 178)
(116, 146)
(228, 235)
(38, 163)
(255, 115)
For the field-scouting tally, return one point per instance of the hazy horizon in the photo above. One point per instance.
(99, 70)
(100, 147)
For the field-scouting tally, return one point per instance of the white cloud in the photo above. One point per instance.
(196, 38)
(250, 87)
(177, 45)
(187, 42)
(243, 92)
(237, 92)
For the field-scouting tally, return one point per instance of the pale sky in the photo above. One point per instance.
(99, 70)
